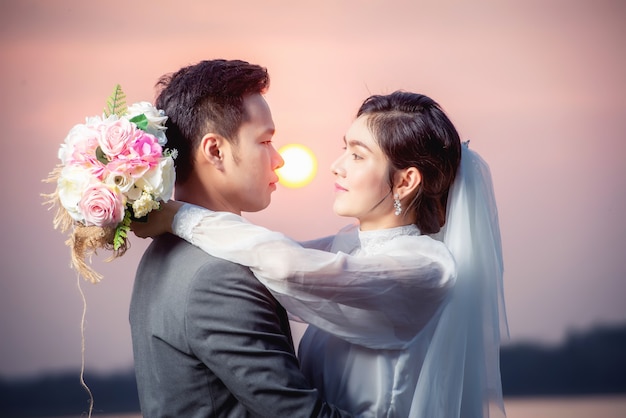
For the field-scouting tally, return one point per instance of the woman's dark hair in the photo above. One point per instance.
(206, 97)
(413, 131)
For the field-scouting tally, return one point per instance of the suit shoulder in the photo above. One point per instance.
(182, 262)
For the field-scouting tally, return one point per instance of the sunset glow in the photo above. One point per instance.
(300, 166)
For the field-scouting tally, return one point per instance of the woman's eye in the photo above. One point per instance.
(356, 157)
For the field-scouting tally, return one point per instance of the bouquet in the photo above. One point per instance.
(114, 169)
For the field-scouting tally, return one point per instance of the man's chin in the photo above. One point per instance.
(257, 207)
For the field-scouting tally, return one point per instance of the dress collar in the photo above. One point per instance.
(373, 239)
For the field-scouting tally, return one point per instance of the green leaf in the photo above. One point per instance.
(121, 232)
(116, 103)
(100, 155)
(141, 121)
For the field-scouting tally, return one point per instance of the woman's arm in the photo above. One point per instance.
(378, 301)
(323, 244)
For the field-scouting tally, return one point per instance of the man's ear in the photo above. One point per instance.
(407, 181)
(210, 150)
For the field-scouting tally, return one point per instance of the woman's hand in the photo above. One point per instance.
(159, 221)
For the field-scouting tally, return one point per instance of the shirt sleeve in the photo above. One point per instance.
(379, 301)
(322, 244)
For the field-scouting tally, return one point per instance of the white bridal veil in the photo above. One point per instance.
(461, 372)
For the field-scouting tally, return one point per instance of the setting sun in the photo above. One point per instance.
(300, 166)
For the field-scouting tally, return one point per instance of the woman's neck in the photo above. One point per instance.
(392, 221)
(372, 226)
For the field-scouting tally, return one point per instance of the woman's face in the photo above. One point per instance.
(362, 189)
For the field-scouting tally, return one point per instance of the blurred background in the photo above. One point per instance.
(537, 86)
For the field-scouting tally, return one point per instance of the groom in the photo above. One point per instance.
(208, 339)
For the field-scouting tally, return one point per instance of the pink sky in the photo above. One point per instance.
(538, 87)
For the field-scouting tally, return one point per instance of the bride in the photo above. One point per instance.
(405, 308)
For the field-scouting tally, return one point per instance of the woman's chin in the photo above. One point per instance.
(343, 212)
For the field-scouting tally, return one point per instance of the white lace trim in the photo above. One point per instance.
(372, 241)
(186, 219)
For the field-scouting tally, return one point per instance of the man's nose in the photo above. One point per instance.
(278, 160)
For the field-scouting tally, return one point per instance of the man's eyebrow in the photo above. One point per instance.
(269, 131)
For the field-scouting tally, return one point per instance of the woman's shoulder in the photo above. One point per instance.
(422, 244)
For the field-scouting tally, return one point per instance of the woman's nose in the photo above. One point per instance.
(336, 168)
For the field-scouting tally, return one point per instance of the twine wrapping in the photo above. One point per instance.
(84, 240)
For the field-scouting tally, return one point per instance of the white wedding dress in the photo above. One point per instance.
(393, 332)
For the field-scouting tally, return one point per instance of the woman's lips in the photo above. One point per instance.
(338, 188)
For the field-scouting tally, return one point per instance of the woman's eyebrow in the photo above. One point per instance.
(356, 143)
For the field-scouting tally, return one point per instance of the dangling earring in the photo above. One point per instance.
(396, 204)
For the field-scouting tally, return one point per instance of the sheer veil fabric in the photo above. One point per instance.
(461, 372)
(442, 313)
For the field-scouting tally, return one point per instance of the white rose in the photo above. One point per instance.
(134, 193)
(92, 121)
(156, 119)
(71, 185)
(159, 180)
(123, 181)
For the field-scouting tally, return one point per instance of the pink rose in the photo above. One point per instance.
(146, 147)
(140, 156)
(102, 205)
(116, 135)
(133, 167)
(81, 139)
(90, 163)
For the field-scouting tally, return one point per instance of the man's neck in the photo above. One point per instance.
(201, 197)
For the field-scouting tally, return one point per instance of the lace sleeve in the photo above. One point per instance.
(378, 301)
(187, 217)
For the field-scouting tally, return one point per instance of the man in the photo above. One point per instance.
(209, 340)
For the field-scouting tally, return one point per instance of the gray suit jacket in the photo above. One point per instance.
(209, 340)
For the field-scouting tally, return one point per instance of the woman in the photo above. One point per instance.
(404, 309)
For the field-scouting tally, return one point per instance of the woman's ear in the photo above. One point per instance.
(210, 150)
(407, 181)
